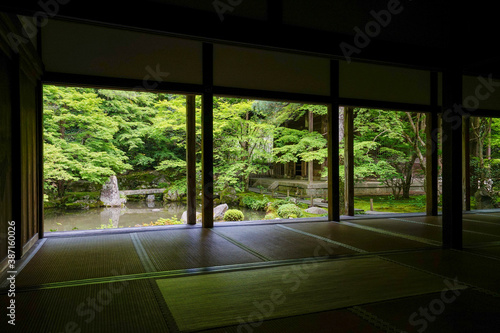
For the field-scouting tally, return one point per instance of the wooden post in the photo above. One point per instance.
(333, 144)
(349, 160)
(39, 159)
(431, 150)
(310, 165)
(371, 205)
(207, 140)
(466, 163)
(191, 158)
(431, 153)
(452, 159)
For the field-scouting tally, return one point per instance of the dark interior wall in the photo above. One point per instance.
(20, 201)
(5, 152)
(29, 200)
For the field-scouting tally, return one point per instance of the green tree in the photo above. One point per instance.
(78, 138)
(387, 146)
(242, 143)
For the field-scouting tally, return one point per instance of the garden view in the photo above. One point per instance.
(270, 158)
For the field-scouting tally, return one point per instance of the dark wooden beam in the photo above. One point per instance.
(191, 158)
(349, 160)
(452, 159)
(161, 18)
(271, 95)
(79, 80)
(207, 141)
(485, 113)
(275, 12)
(39, 144)
(466, 163)
(431, 152)
(39, 159)
(386, 106)
(333, 145)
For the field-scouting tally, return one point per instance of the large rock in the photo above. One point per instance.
(316, 210)
(111, 216)
(219, 211)
(171, 196)
(110, 194)
(185, 214)
(150, 198)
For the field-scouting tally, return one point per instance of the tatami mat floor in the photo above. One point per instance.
(373, 275)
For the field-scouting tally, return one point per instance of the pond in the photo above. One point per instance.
(130, 215)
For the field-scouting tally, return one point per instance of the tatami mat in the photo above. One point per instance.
(67, 259)
(463, 311)
(363, 239)
(191, 248)
(467, 267)
(407, 228)
(278, 243)
(223, 299)
(491, 251)
(474, 233)
(338, 321)
(111, 307)
(483, 217)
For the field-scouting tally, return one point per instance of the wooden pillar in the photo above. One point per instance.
(349, 160)
(431, 151)
(39, 160)
(310, 165)
(191, 158)
(466, 163)
(452, 158)
(207, 140)
(333, 145)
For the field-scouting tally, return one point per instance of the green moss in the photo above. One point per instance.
(234, 215)
(136, 197)
(75, 196)
(76, 205)
(253, 200)
(75, 200)
(289, 210)
(140, 179)
(389, 204)
(49, 204)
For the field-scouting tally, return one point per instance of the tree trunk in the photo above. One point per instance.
(61, 188)
(408, 177)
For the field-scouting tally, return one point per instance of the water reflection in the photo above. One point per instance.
(132, 214)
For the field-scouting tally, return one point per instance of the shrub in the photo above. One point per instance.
(233, 215)
(254, 203)
(289, 210)
(271, 216)
(277, 204)
(161, 221)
